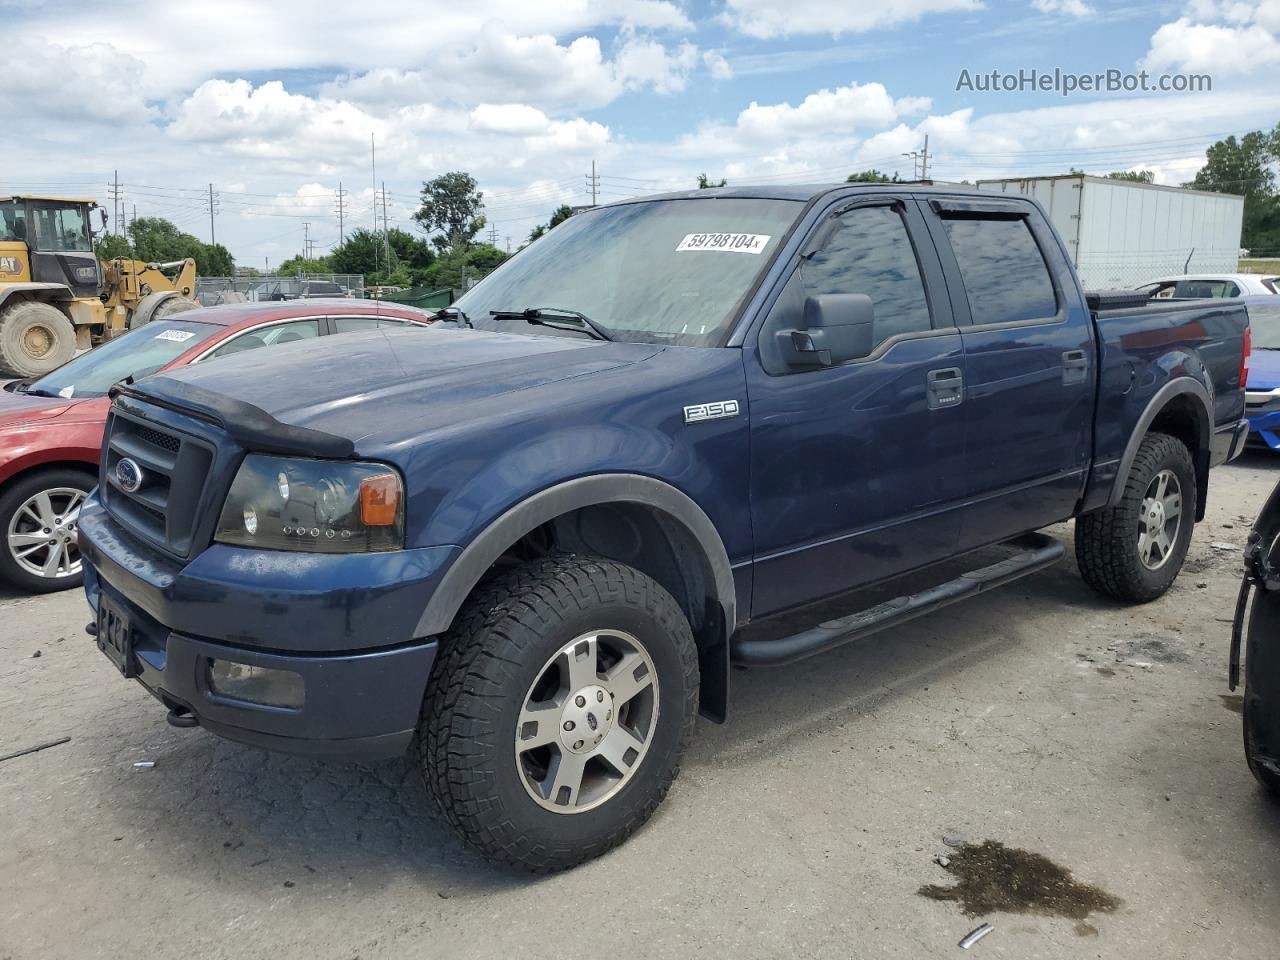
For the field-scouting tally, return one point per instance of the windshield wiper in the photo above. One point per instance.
(39, 392)
(558, 318)
(456, 315)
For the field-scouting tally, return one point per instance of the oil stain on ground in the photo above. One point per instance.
(992, 877)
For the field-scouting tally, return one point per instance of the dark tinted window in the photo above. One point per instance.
(1004, 272)
(870, 252)
(1206, 289)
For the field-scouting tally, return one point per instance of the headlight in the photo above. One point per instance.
(322, 506)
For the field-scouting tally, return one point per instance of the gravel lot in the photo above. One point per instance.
(1040, 717)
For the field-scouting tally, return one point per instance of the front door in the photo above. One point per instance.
(856, 468)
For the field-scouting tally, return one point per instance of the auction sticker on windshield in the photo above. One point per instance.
(725, 242)
(177, 336)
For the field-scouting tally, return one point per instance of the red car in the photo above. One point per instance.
(51, 427)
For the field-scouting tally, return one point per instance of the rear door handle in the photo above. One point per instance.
(1075, 367)
(945, 388)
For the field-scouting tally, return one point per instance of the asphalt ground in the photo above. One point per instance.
(1073, 733)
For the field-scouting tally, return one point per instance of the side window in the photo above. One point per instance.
(354, 324)
(870, 252)
(1004, 272)
(267, 337)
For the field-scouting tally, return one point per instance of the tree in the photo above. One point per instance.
(871, 176)
(366, 252)
(558, 216)
(215, 260)
(1243, 167)
(451, 210)
(458, 269)
(1133, 176)
(157, 240)
(301, 264)
(113, 247)
(705, 184)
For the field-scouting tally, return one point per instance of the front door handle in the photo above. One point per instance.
(1075, 367)
(945, 388)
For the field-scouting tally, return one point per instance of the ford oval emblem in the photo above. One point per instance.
(128, 475)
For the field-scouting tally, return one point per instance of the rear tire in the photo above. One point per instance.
(168, 308)
(1261, 721)
(1129, 551)
(31, 558)
(35, 338)
(523, 790)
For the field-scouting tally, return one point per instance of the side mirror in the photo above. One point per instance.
(837, 327)
(103, 213)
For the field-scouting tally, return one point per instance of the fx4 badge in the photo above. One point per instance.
(716, 410)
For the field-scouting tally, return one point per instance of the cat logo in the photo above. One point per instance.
(10, 265)
(716, 410)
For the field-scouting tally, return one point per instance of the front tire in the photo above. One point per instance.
(35, 338)
(559, 710)
(38, 519)
(1134, 550)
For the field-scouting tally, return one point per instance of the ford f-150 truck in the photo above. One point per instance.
(529, 543)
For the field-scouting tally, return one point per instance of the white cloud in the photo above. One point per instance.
(576, 75)
(516, 119)
(93, 83)
(1071, 8)
(717, 65)
(833, 112)
(770, 18)
(1244, 40)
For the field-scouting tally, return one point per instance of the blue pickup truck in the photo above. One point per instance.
(527, 544)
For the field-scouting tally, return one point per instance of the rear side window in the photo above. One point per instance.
(1207, 289)
(870, 252)
(1004, 273)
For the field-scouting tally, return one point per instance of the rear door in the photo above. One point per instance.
(856, 468)
(1030, 365)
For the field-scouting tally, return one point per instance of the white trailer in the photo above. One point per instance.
(1121, 234)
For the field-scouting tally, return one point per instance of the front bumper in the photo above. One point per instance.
(343, 623)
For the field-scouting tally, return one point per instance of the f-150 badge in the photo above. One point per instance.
(716, 410)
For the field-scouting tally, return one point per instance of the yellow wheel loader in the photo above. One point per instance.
(56, 297)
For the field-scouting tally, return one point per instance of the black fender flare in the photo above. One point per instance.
(494, 540)
(1174, 388)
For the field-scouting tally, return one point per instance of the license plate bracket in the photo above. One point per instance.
(115, 636)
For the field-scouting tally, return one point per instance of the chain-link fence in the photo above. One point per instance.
(1122, 270)
(212, 291)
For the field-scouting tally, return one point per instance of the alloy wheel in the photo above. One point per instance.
(42, 533)
(587, 721)
(1160, 520)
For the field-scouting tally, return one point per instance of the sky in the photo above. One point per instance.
(276, 104)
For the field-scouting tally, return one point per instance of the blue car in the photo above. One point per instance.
(1262, 400)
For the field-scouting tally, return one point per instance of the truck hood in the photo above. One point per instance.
(384, 386)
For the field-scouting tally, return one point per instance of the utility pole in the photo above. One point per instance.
(508, 244)
(386, 239)
(373, 161)
(115, 201)
(342, 212)
(493, 234)
(213, 208)
(593, 182)
(306, 240)
(920, 161)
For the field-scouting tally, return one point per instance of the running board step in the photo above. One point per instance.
(1035, 552)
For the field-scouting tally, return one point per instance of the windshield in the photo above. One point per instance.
(1264, 322)
(664, 271)
(136, 354)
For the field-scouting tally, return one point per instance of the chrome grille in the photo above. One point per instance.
(174, 469)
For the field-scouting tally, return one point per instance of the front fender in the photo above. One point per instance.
(497, 537)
